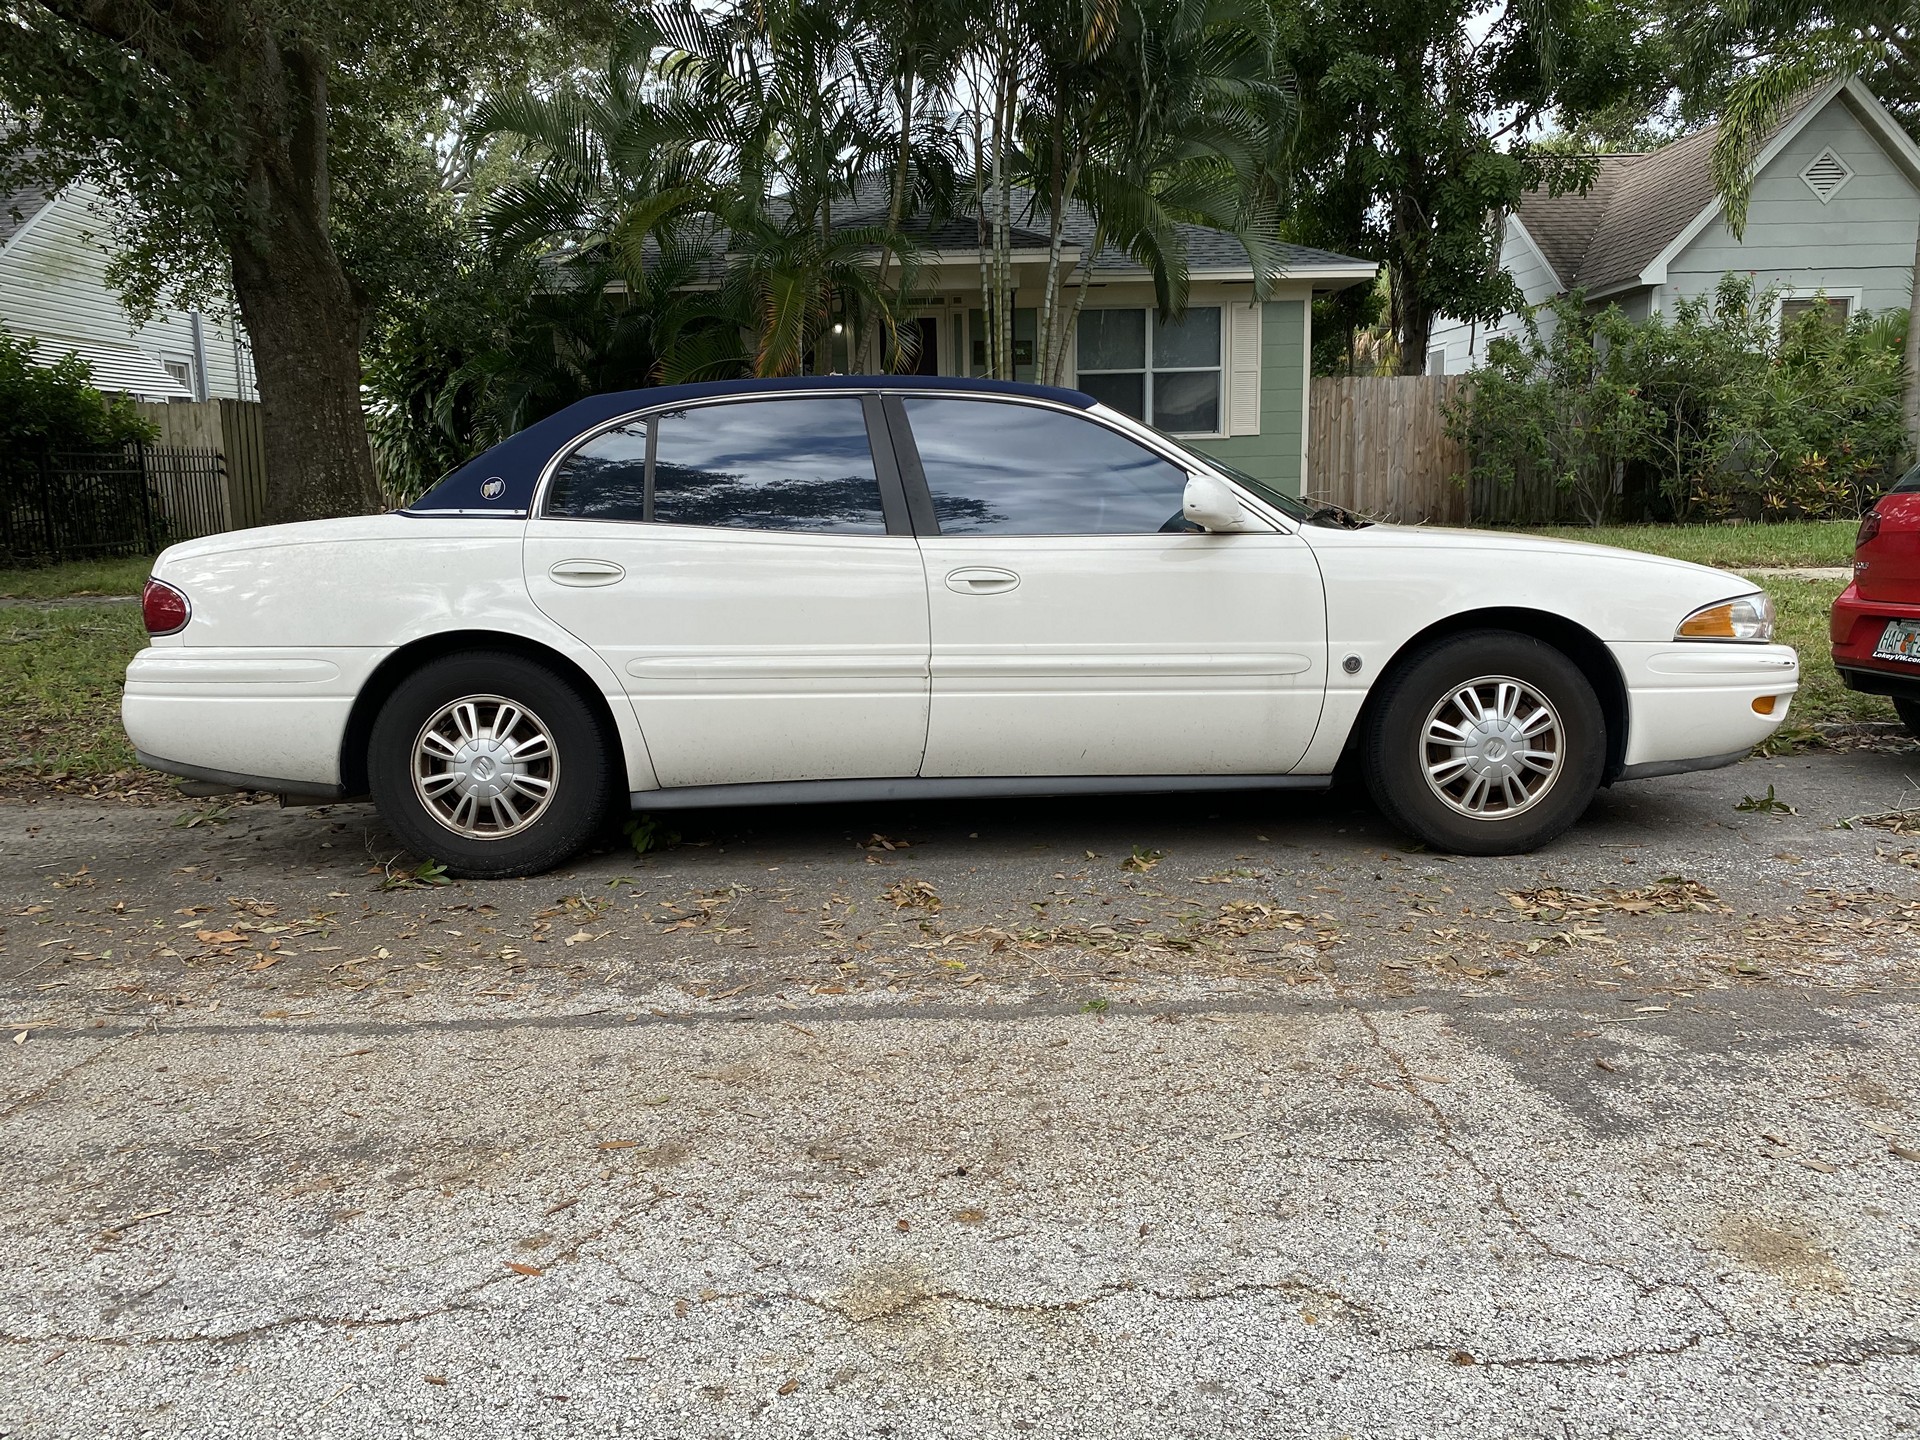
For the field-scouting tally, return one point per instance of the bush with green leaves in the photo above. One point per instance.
(1715, 411)
(56, 406)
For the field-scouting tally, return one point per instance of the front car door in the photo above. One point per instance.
(748, 570)
(1080, 626)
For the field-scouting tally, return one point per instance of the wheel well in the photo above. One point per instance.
(391, 671)
(1576, 642)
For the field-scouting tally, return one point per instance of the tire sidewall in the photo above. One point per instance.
(581, 799)
(1394, 749)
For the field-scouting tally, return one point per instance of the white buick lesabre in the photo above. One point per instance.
(873, 587)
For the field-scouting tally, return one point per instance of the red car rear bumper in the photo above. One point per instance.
(1856, 628)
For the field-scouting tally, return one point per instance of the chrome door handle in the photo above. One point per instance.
(586, 572)
(981, 580)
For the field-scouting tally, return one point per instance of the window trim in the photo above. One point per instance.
(1219, 368)
(1849, 293)
(893, 494)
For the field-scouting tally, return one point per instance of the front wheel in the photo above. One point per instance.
(1487, 743)
(490, 764)
(1909, 713)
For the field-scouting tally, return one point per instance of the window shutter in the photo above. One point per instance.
(1243, 388)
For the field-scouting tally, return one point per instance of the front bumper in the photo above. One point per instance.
(1691, 704)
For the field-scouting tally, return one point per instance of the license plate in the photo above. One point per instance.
(1899, 641)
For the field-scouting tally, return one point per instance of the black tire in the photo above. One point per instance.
(578, 795)
(1909, 713)
(1395, 755)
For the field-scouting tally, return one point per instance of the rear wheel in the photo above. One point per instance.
(1909, 713)
(489, 763)
(1487, 743)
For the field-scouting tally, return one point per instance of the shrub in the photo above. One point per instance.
(1707, 413)
(56, 405)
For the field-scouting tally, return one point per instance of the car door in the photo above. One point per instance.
(1079, 625)
(749, 571)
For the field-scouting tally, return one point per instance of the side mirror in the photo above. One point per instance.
(1212, 505)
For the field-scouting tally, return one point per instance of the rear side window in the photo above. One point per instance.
(1000, 469)
(802, 465)
(1908, 483)
(605, 479)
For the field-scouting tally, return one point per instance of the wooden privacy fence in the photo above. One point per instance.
(231, 429)
(1379, 446)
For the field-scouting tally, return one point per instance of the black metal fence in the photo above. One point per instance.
(132, 500)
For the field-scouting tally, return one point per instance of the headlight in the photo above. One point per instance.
(1749, 618)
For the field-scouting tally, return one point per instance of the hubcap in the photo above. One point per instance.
(485, 766)
(1492, 748)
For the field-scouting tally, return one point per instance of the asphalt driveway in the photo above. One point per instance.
(1143, 1117)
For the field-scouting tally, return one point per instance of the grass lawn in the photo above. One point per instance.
(60, 674)
(1729, 547)
(77, 577)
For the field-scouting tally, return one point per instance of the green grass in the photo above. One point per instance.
(60, 677)
(1729, 547)
(77, 577)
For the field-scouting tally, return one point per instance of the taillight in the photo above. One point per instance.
(164, 608)
(1869, 527)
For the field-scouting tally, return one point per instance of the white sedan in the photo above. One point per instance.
(762, 592)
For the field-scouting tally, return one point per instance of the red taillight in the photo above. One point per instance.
(1869, 527)
(164, 608)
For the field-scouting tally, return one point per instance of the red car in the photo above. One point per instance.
(1876, 620)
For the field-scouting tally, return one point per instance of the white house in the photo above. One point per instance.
(1834, 212)
(54, 255)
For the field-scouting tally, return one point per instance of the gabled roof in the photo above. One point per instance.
(1641, 207)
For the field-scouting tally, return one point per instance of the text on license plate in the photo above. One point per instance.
(1899, 641)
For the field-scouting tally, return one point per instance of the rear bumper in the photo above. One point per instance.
(1855, 628)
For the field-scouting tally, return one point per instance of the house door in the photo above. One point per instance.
(926, 334)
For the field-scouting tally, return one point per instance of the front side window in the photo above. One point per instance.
(1163, 372)
(799, 464)
(996, 468)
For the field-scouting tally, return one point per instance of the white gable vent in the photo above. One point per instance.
(1826, 175)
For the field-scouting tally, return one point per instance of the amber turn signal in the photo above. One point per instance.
(1749, 618)
(1764, 705)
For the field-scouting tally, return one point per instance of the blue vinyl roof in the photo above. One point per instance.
(517, 461)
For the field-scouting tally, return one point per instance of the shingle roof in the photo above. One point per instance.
(1636, 206)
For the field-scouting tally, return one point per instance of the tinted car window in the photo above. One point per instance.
(605, 479)
(1000, 469)
(800, 464)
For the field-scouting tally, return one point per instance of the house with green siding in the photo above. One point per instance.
(1229, 376)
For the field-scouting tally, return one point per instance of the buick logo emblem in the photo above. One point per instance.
(493, 488)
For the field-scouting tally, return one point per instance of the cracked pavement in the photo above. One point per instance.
(1149, 1117)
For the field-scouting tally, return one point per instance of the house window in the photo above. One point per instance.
(1164, 372)
(1836, 308)
(182, 373)
(1025, 333)
(1437, 360)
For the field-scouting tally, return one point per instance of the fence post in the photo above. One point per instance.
(146, 497)
(46, 503)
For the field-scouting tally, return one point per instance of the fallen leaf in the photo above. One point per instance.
(619, 1144)
(1904, 1153)
(219, 937)
(970, 1217)
(792, 1384)
(519, 1269)
(434, 1379)
(580, 937)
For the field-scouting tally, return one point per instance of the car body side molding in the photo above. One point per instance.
(956, 787)
(1654, 768)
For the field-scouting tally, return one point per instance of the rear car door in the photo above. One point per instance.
(749, 571)
(1080, 626)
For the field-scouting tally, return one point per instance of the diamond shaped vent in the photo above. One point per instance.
(1826, 175)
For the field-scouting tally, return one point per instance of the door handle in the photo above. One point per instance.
(586, 572)
(981, 580)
